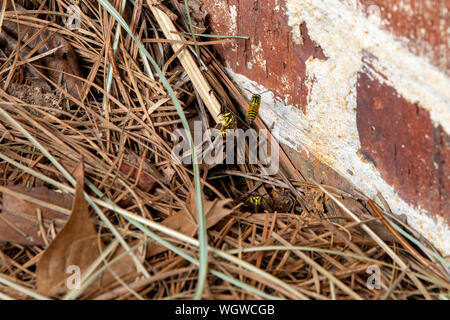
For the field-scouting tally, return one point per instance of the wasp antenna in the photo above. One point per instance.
(249, 91)
(264, 92)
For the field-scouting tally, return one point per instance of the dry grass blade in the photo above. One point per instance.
(192, 69)
(332, 278)
(402, 240)
(380, 242)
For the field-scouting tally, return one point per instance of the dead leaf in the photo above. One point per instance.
(19, 220)
(130, 168)
(77, 244)
(186, 222)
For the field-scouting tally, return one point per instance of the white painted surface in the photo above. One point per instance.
(328, 128)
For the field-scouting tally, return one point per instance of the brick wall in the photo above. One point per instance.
(358, 88)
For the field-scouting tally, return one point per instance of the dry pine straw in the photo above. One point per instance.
(298, 234)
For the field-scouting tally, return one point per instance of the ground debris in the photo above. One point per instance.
(125, 129)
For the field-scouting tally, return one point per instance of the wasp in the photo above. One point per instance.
(253, 106)
(230, 123)
(229, 118)
(255, 199)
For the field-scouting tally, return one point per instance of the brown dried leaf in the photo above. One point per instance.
(76, 244)
(131, 168)
(186, 223)
(19, 220)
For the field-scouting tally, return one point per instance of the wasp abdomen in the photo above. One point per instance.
(253, 108)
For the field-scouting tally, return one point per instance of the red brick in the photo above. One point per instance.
(284, 70)
(402, 142)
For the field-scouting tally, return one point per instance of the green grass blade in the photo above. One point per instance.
(198, 189)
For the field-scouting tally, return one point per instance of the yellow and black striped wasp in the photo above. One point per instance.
(230, 122)
(227, 115)
(255, 199)
(253, 106)
(230, 119)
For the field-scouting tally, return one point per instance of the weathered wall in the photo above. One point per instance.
(361, 87)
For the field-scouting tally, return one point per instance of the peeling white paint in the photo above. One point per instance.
(258, 55)
(328, 128)
(233, 15)
(299, 131)
(227, 14)
(413, 77)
